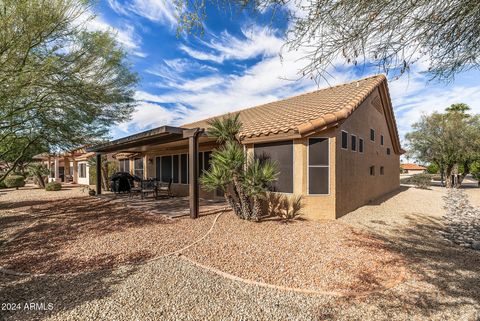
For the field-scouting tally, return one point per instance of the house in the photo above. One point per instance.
(71, 166)
(338, 147)
(410, 168)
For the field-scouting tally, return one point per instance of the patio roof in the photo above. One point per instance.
(138, 142)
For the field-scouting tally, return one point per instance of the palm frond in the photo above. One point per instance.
(225, 129)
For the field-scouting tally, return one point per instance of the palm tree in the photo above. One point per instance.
(243, 183)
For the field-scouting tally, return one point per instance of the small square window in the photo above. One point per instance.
(372, 170)
(388, 151)
(381, 170)
(360, 145)
(353, 143)
(344, 139)
(372, 135)
(381, 140)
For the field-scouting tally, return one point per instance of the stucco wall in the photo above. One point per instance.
(355, 185)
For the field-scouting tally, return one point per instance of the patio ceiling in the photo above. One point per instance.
(141, 141)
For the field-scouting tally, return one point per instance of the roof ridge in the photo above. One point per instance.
(382, 76)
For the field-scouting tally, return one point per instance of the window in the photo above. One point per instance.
(138, 167)
(82, 170)
(353, 143)
(184, 169)
(381, 170)
(344, 139)
(381, 140)
(388, 151)
(208, 157)
(124, 165)
(175, 168)
(166, 169)
(318, 166)
(372, 170)
(360, 145)
(282, 154)
(372, 135)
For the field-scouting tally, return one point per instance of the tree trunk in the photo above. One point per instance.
(40, 181)
(466, 171)
(257, 208)
(448, 176)
(233, 204)
(244, 201)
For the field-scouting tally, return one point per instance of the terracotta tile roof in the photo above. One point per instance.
(304, 113)
(412, 167)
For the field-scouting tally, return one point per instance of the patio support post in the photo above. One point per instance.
(99, 174)
(57, 168)
(192, 135)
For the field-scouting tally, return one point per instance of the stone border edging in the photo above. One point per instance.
(389, 285)
(176, 252)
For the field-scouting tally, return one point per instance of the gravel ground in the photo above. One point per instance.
(88, 233)
(319, 256)
(443, 281)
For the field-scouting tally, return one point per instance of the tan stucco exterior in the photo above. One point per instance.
(351, 184)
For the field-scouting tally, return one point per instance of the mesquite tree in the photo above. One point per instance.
(61, 85)
(244, 181)
(390, 34)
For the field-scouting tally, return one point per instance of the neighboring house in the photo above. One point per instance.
(337, 147)
(71, 166)
(412, 169)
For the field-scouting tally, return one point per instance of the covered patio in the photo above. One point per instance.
(161, 140)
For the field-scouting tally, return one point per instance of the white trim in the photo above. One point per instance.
(356, 143)
(341, 137)
(329, 165)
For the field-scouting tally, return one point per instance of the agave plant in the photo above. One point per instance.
(243, 182)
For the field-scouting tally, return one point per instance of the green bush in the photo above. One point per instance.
(419, 180)
(14, 181)
(53, 186)
(2, 185)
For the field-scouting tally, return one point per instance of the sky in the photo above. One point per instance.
(239, 62)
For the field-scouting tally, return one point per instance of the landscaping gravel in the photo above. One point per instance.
(462, 220)
(443, 281)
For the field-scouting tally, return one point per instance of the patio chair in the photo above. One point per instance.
(148, 186)
(133, 188)
(165, 189)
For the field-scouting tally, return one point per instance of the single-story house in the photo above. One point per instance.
(338, 147)
(410, 168)
(71, 166)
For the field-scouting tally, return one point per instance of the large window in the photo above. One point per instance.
(344, 139)
(184, 169)
(175, 167)
(124, 165)
(82, 170)
(280, 153)
(318, 166)
(138, 167)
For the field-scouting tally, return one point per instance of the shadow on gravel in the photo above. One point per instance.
(64, 293)
(447, 276)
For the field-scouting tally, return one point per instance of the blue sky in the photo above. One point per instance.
(237, 64)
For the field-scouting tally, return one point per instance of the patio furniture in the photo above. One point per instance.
(148, 186)
(165, 188)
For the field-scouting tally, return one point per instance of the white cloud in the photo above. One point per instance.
(160, 11)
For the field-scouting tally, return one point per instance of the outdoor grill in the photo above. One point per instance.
(122, 182)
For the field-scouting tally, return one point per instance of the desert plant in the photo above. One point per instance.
(243, 181)
(14, 181)
(38, 172)
(419, 180)
(53, 186)
(287, 208)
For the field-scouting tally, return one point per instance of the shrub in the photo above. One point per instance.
(286, 208)
(2, 185)
(14, 181)
(39, 173)
(53, 186)
(419, 180)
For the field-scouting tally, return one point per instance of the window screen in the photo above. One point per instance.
(360, 145)
(372, 135)
(82, 170)
(166, 170)
(344, 139)
(280, 153)
(138, 167)
(318, 166)
(207, 156)
(381, 140)
(124, 165)
(200, 163)
(176, 168)
(184, 169)
(353, 144)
